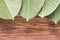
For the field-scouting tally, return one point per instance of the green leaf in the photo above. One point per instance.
(55, 16)
(9, 8)
(30, 8)
(49, 7)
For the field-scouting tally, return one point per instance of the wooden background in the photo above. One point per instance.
(19, 29)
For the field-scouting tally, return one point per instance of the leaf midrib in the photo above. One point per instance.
(8, 8)
(28, 10)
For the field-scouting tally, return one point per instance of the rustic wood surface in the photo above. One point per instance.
(35, 29)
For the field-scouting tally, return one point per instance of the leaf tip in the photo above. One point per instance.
(41, 16)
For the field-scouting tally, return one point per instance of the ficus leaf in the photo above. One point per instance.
(55, 16)
(9, 8)
(49, 7)
(30, 8)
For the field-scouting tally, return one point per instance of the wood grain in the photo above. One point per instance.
(34, 29)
